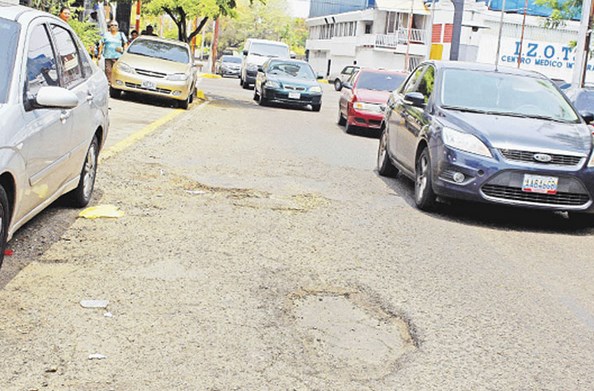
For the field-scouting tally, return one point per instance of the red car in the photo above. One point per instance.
(363, 100)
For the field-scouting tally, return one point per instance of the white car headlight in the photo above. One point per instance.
(372, 107)
(315, 89)
(122, 66)
(177, 77)
(464, 142)
(272, 84)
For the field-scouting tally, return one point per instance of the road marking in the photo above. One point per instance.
(142, 133)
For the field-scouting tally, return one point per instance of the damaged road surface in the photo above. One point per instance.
(258, 249)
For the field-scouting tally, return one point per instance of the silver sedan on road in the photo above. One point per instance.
(53, 117)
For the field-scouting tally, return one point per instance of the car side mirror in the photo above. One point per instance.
(56, 97)
(260, 68)
(245, 52)
(347, 85)
(415, 99)
(587, 116)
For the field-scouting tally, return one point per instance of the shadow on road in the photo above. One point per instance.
(497, 217)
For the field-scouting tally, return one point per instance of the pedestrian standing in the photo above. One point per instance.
(64, 14)
(113, 44)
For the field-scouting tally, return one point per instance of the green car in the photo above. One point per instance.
(288, 82)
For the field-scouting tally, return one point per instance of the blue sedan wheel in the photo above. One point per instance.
(424, 195)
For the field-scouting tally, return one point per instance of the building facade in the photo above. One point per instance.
(398, 34)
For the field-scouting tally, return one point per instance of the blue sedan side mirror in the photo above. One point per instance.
(415, 99)
(587, 116)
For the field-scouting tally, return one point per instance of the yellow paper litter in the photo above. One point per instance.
(99, 211)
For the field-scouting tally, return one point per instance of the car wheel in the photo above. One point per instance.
(317, 107)
(4, 221)
(184, 104)
(81, 196)
(350, 129)
(341, 120)
(384, 164)
(191, 97)
(424, 196)
(337, 85)
(115, 93)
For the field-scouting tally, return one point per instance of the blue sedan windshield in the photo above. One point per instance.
(504, 94)
(9, 32)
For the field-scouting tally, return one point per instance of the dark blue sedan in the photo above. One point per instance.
(288, 82)
(472, 132)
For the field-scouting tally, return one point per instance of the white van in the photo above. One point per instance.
(255, 53)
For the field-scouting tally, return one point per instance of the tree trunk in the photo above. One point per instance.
(198, 28)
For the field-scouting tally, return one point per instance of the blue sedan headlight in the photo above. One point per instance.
(315, 89)
(464, 142)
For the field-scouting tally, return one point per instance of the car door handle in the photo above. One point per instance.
(64, 116)
(90, 97)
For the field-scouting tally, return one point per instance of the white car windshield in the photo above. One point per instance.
(504, 94)
(268, 50)
(9, 32)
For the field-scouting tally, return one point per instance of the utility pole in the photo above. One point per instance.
(215, 44)
(583, 45)
(499, 36)
(458, 14)
(138, 16)
(522, 35)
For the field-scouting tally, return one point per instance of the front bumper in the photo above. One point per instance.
(499, 181)
(179, 90)
(365, 119)
(282, 96)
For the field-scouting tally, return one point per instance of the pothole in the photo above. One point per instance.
(348, 334)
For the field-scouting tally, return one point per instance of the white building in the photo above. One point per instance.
(378, 37)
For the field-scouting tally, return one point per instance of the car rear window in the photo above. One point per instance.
(379, 81)
(9, 31)
(585, 101)
(159, 49)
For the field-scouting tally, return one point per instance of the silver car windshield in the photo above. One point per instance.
(9, 31)
(292, 69)
(268, 50)
(504, 94)
(158, 49)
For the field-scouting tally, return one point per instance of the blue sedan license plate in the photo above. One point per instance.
(540, 184)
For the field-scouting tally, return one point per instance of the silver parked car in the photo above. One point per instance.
(53, 116)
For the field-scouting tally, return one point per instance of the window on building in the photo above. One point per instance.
(368, 27)
(391, 25)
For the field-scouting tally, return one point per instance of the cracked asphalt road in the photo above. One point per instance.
(237, 218)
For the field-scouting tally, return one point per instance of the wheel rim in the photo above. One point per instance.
(89, 171)
(381, 155)
(422, 176)
(337, 85)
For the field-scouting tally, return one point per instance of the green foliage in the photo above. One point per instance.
(87, 32)
(265, 21)
(562, 10)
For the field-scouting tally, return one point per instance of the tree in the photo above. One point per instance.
(561, 11)
(181, 11)
(269, 21)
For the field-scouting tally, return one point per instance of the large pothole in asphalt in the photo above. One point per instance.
(349, 334)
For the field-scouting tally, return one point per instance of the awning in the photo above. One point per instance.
(402, 6)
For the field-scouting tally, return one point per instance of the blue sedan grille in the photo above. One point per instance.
(526, 156)
(516, 194)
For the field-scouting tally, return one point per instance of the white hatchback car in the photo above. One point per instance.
(53, 116)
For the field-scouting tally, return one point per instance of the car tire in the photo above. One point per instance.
(337, 85)
(385, 167)
(81, 196)
(184, 104)
(4, 221)
(317, 107)
(115, 93)
(425, 198)
(191, 97)
(349, 129)
(341, 120)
